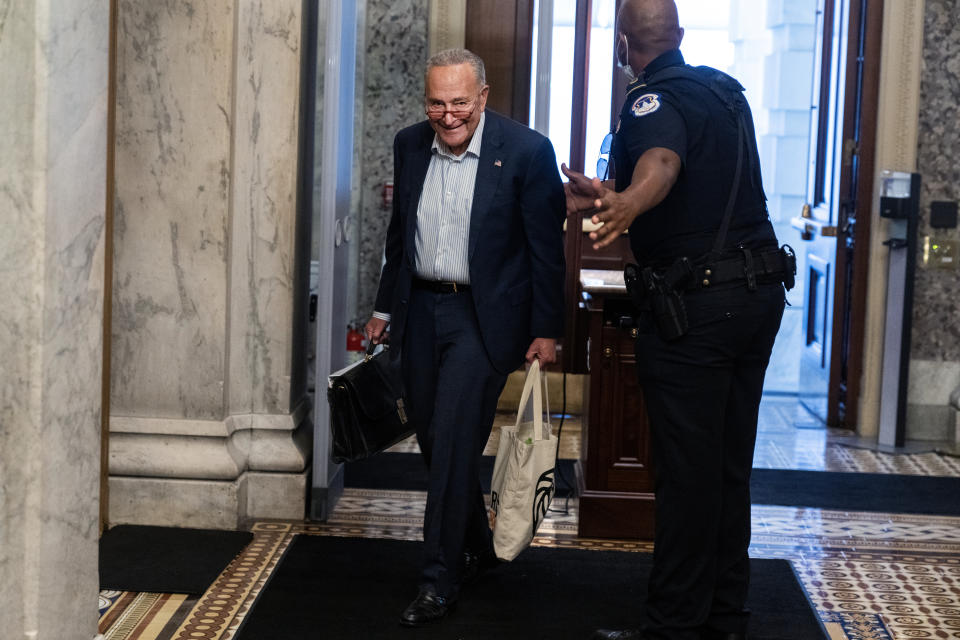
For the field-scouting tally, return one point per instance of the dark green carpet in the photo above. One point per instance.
(353, 588)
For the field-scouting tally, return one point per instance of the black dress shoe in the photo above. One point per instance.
(626, 634)
(720, 635)
(475, 564)
(426, 607)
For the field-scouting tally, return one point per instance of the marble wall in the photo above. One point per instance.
(935, 347)
(174, 121)
(936, 331)
(205, 261)
(396, 52)
(263, 214)
(206, 191)
(53, 124)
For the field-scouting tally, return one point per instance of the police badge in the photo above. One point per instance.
(645, 104)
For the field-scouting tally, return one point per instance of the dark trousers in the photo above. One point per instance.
(452, 391)
(703, 394)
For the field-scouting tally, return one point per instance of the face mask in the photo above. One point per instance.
(623, 62)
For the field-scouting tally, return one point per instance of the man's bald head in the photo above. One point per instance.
(652, 27)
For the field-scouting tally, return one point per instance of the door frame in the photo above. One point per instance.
(864, 40)
(896, 134)
(110, 187)
(335, 154)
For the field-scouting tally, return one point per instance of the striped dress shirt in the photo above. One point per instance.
(443, 213)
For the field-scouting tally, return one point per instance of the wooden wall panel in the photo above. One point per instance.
(501, 32)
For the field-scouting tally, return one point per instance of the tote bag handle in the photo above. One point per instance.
(535, 384)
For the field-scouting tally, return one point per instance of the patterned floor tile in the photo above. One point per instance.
(789, 437)
(855, 626)
(130, 616)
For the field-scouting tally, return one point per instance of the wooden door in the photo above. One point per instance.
(843, 121)
(856, 195)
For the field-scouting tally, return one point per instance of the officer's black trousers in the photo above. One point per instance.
(702, 393)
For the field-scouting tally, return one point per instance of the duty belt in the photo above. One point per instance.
(751, 268)
(777, 265)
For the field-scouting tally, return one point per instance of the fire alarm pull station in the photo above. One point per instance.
(388, 194)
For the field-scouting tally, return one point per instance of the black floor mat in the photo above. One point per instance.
(406, 471)
(349, 588)
(883, 492)
(166, 559)
(887, 493)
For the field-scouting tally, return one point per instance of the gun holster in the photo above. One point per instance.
(659, 294)
(789, 267)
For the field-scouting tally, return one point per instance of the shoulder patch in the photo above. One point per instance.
(645, 104)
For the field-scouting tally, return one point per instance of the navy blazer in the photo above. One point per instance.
(516, 237)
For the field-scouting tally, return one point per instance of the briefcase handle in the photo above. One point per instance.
(371, 347)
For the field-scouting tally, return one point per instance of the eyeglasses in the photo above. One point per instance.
(459, 109)
(603, 162)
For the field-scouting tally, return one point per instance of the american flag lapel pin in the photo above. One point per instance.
(497, 163)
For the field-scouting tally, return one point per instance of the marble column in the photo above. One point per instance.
(935, 344)
(53, 132)
(208, 396)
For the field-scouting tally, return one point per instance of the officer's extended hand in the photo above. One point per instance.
(615, 212)
(581, 191)
(653, 176)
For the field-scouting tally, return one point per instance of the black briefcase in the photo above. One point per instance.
(367, 411)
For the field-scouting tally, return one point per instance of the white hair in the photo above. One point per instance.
(451, 57)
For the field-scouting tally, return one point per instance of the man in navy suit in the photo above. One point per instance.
(472, 285)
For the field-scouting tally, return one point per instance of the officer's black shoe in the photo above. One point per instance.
(426, 607)
(475, 564)
(626, 634)
(722, 635)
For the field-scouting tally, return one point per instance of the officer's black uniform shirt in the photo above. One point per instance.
(688, 118)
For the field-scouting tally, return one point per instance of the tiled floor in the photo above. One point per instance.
(870, 576)
(789, 437)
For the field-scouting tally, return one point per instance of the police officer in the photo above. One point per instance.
(709, 287)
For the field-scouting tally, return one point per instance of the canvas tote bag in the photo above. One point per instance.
(523, 473)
